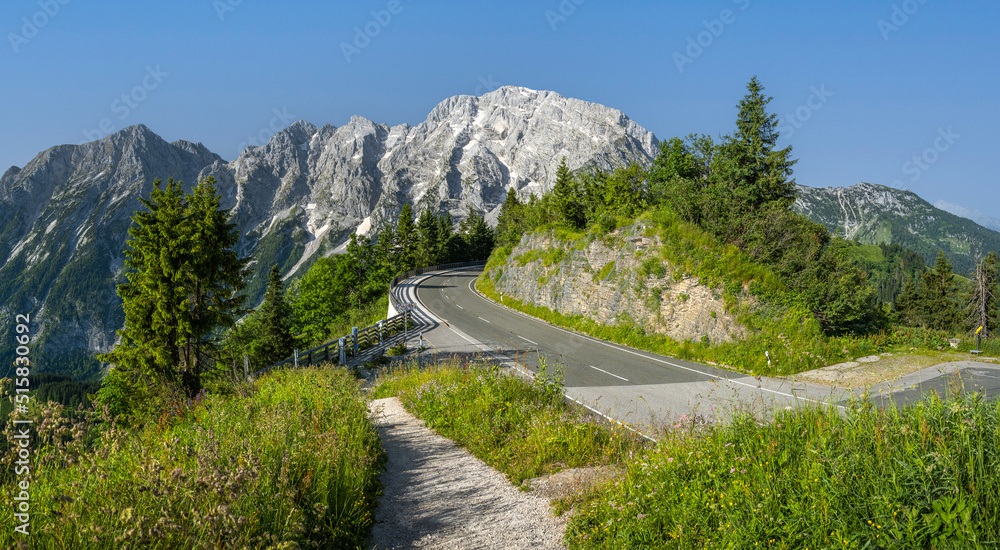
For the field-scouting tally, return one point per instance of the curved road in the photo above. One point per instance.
(632, 386)
(636, 387)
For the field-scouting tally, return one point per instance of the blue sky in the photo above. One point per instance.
(901, 93)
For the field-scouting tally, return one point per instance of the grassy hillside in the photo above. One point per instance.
(293, 464)
(776, 322)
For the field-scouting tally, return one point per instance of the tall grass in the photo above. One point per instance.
(522, 429)
(295, 463)
(923, 477)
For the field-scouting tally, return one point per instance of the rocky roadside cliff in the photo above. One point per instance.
(619, 279)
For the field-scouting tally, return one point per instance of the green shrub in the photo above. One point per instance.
(605, 271)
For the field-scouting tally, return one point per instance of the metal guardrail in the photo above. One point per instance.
(420, 271)
(368, 336)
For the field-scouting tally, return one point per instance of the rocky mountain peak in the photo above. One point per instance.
(295, 198)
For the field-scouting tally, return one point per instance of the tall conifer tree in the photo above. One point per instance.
(184, 282)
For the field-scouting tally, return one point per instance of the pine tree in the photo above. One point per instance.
(428, 242)
(564, 194)
(275, 341)
(756, 173)
(406, 239)
(183, 283)
(509, 222)
(939, 302)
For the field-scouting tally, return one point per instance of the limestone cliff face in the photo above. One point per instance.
(620, 279)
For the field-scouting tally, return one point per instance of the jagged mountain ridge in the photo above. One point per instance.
(66, 213)
(874, 214)
(973, 214)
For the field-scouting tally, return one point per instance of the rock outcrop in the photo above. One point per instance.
(618, 280)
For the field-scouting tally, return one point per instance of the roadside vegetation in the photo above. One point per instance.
(927, 476)
(722, 212)
(523, 429)
(291, 460)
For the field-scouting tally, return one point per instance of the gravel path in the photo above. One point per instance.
(437, 495)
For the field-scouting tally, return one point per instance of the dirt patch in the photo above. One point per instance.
(873, 369)
(570, 482)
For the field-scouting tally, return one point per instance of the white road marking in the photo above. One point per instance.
(658, 360)
(606, 372)
(459, 307)
(481, 319)
(528, 341)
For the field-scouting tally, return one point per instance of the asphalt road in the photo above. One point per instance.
(587, 362)
(625, 384)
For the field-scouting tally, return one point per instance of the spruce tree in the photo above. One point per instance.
(275, 341)
(479, 236)
(406, 239)
(215, 277)
(940, 296)
(755, 172)
(152, 298)
(509, 222)
(183, 283)
(907, 306)
(428, 242)
(564, 194)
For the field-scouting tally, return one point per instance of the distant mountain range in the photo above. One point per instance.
(64, 216)
(874, 214)
(971, 214)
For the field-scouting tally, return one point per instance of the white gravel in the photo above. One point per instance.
(437, 495)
